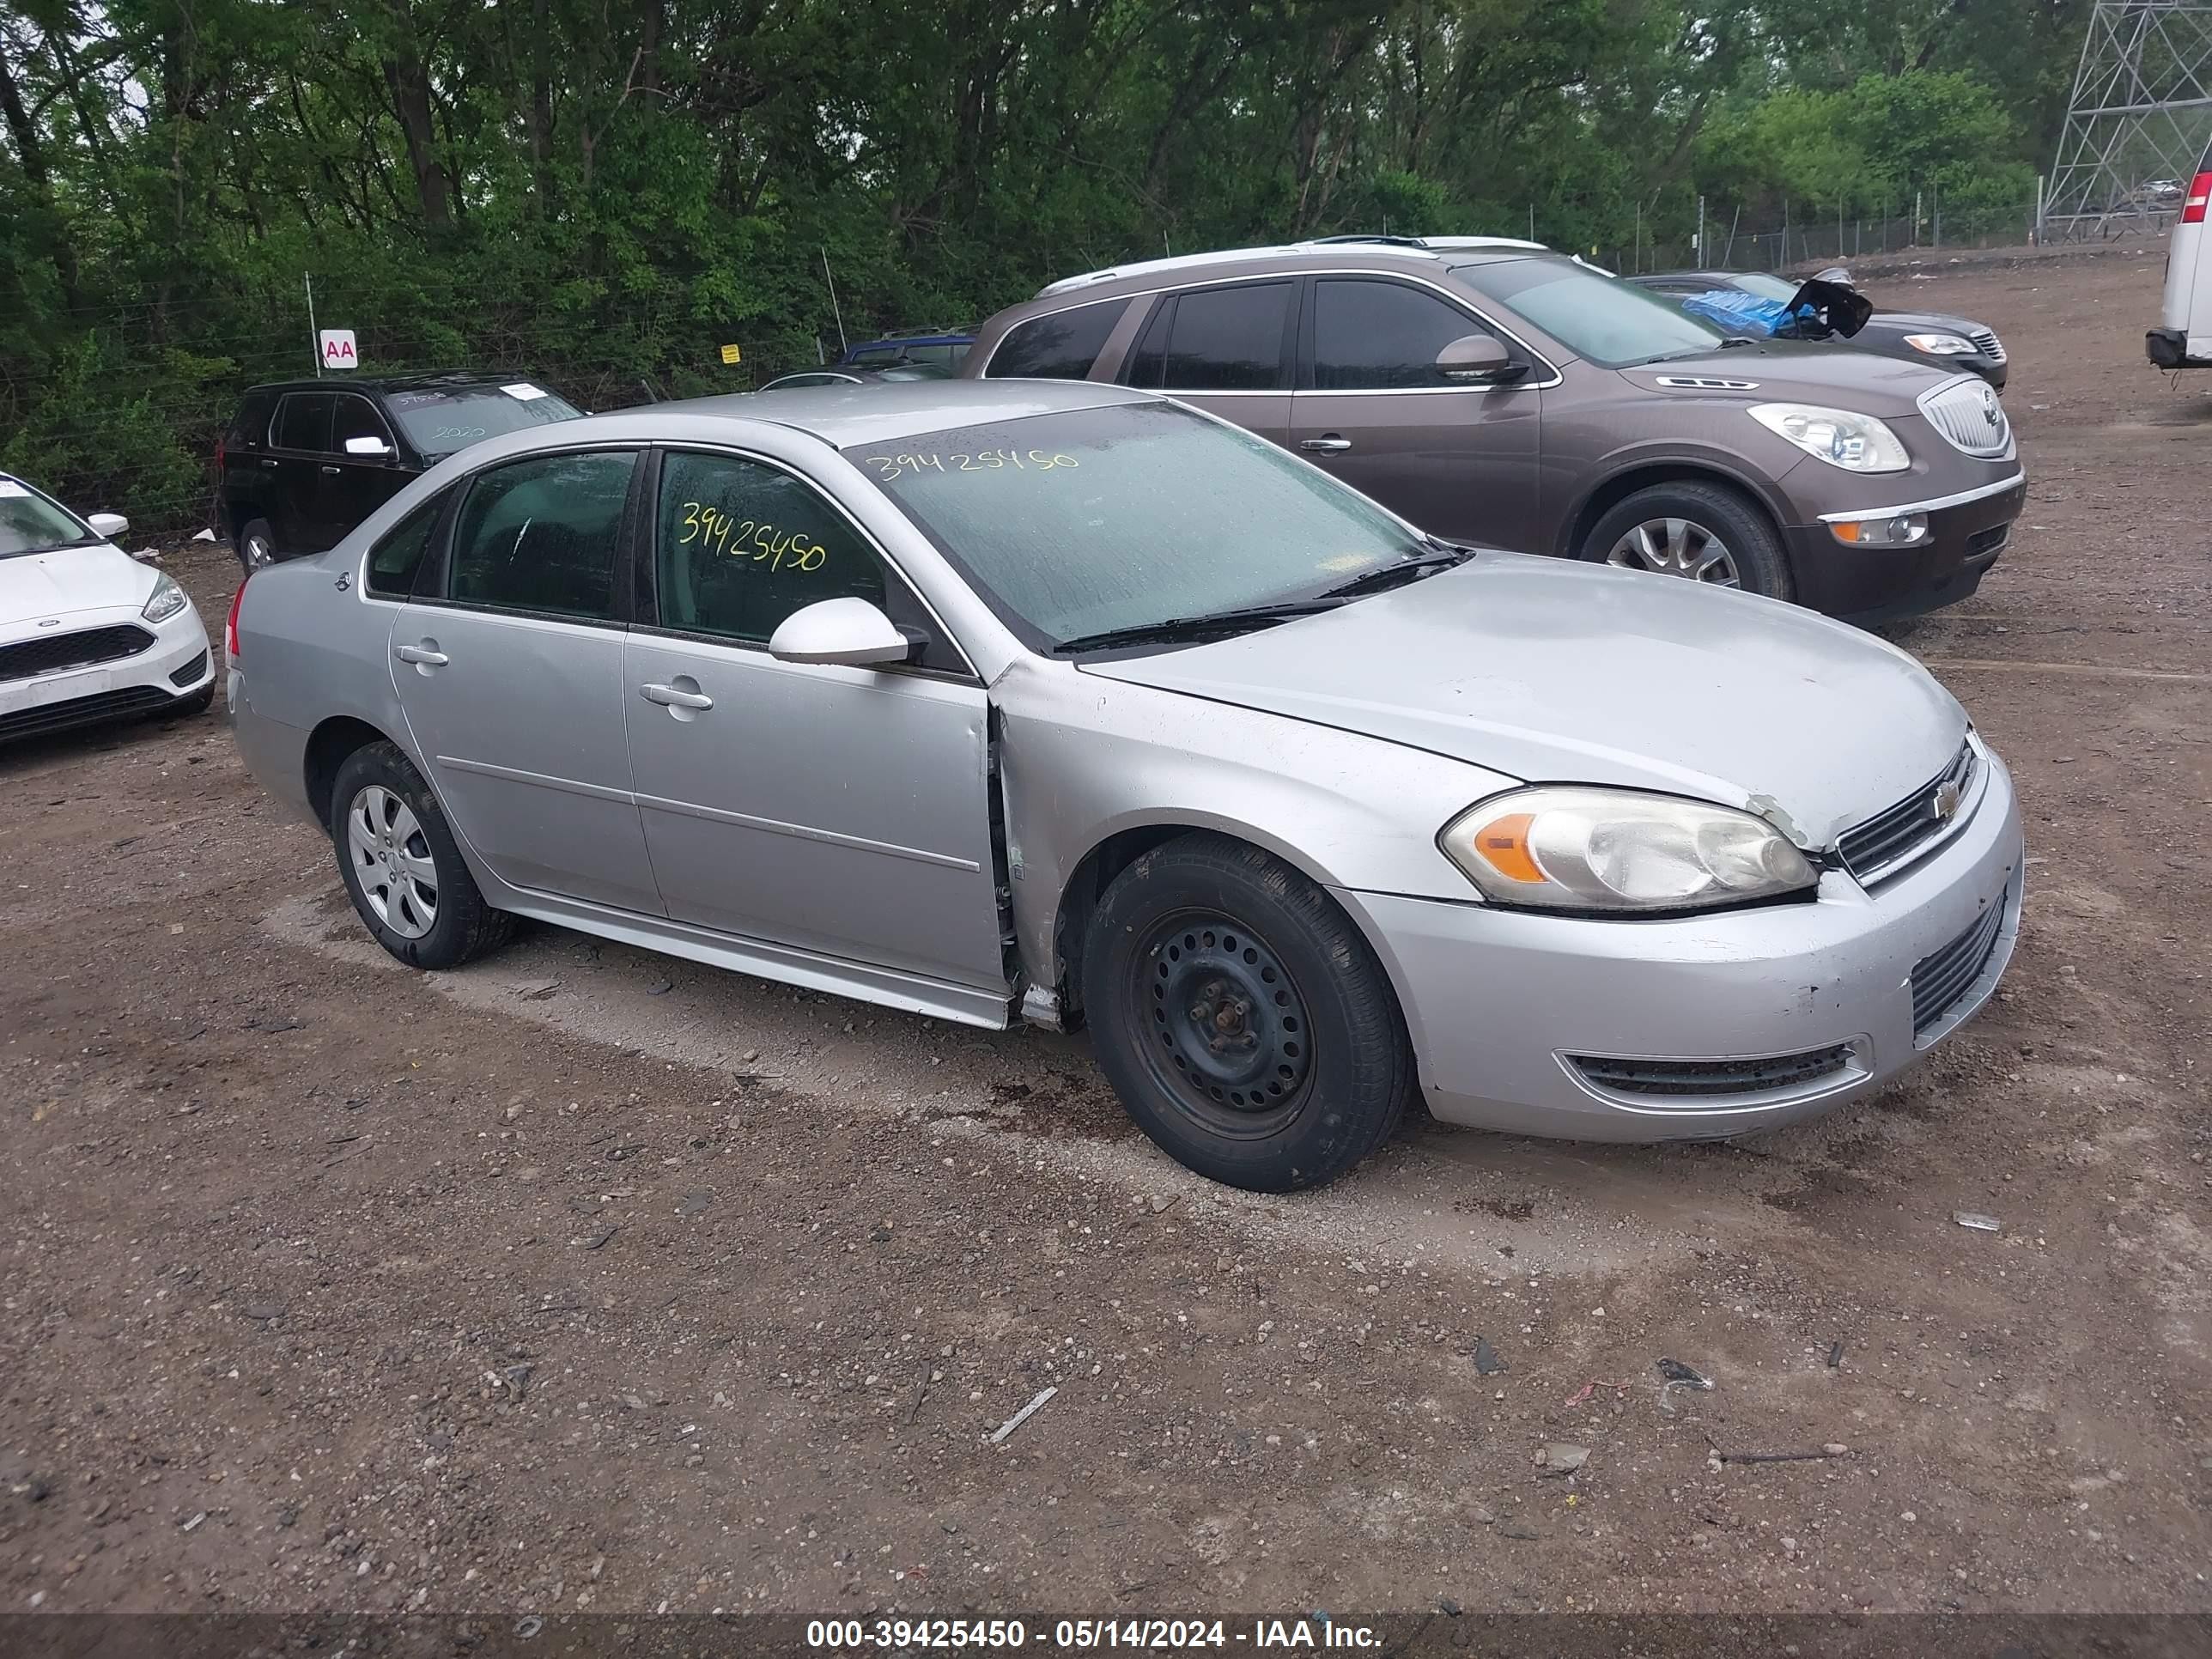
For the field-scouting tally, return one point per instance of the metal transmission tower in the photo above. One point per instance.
(2138, 120)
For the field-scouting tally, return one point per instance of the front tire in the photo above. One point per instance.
(402, 867)
(1706, 532)
(1241, 1017)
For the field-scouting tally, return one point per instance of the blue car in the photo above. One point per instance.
(940, 348)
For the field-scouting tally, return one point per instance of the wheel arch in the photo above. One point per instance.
(1115, 852)
(329, 745)
(1618, 486)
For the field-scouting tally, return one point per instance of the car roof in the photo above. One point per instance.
(922, 336)
(1366, 253)
(455, 378)
(846, 416)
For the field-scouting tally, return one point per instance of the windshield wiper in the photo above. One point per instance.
(1443, 555)
(1220, 625)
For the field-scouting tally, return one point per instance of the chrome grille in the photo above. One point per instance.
(1713, 1077)
(1941, 977)
(1967, 413)
(1986, 339)
(1897, 833)
(49, 653)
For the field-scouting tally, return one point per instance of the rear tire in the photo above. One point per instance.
(1242, 1019)
(256, 546)
(1693, 530)
(402, 867)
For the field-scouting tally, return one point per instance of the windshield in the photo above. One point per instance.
(29, 523)
(1762, 286)
(1608, 321)
(1090, 521)
(440, 420)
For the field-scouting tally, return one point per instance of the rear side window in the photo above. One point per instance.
(739, 546)
(1216, 339)
(543, 535)
(1369, 335)
(1061, 346)
(393, 561)
(303, 421)
(249, 429)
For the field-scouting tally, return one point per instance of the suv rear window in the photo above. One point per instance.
(1061, 346)
(303, 421)
(249, 427)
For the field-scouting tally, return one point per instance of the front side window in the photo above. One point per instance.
(1610, 322)
(543, 535)
(356, 417)
(303, 421)
(740, 545)
(1224, 339)
(1372, 334)
(1061, 346)
(1086, 521)
(393, 561)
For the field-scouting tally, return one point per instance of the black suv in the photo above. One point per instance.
(305, 461)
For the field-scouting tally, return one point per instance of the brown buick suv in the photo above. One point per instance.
(1496, 391)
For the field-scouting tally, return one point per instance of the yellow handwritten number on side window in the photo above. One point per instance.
(749, 541)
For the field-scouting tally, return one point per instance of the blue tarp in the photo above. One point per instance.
(1747, 314)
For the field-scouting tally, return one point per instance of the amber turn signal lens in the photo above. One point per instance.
(1504, 845)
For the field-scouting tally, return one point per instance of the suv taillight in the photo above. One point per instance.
(230, 628)
(2200, 190)
(218, 455)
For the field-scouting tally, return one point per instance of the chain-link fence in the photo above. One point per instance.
(1795, 240)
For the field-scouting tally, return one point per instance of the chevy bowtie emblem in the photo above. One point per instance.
(1943, 805)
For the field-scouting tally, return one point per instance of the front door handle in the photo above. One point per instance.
(265, 462)
(671, 697)
(330, 471)
(423, 656)
(1331, 445)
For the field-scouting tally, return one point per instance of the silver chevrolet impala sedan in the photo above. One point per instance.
(998, 700)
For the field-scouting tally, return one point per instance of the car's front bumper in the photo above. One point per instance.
(1498, 1004)
(174, 668)
(1968, 531)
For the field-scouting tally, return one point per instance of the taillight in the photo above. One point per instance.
(2200, 190)
(218, 455)
(230, 628)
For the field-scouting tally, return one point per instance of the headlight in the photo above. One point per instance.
(1856, 443)
(1941, 345)
(1561, 848)
(166, 600)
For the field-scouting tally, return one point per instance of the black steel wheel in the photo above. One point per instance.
(1242, 1019)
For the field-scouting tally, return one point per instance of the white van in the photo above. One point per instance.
(2184, 336)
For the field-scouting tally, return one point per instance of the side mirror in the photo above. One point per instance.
(375, 448)
(1478, 359)
(107, 526)
(849, 631)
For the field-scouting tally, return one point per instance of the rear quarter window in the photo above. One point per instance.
(249, 427)
(1061, 346)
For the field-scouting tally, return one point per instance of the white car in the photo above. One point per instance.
(87, 633)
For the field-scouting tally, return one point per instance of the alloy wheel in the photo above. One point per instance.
(392, 862)
(1676, 547)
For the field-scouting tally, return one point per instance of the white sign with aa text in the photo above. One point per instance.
(338, 348)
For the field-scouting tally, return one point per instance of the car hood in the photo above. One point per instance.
(1796, 371)
(36, 586)
(1556, 672)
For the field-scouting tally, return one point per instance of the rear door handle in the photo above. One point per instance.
(330, 471)
(425, 656)
(267, 463)
(1331, 445)
(669, 697)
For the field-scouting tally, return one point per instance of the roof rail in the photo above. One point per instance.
(1407, 246)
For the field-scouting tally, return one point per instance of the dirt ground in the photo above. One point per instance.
(582, 1278)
